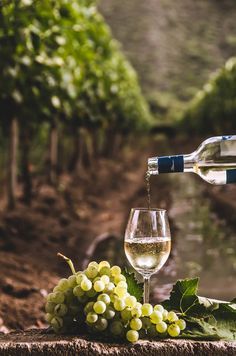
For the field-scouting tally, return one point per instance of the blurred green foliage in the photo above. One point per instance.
(213, 109)
(58, 60)
(167, 108)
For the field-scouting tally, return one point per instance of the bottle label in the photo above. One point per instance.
(231, 176)
(171, 164)
(228, 146)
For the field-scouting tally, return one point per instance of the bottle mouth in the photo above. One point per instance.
(152, 165)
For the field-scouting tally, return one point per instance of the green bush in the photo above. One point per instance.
(64, 80)
(58, 59)
(213, 109)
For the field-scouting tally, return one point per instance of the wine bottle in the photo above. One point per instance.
(214, 161)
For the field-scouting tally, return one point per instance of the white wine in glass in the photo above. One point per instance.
(147, 242)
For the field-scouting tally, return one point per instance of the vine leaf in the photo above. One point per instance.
(134, 287)
(206, 318)
(183, 296)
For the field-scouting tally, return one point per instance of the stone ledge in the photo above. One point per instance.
(37, 342)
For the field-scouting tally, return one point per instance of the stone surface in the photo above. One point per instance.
(36, 342)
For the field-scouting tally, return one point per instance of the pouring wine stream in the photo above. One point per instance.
(148, 188)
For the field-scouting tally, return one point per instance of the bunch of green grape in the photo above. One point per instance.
(98, 297)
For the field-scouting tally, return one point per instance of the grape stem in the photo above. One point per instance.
(68, 260)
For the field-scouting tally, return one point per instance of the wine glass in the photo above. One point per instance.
(147, 242)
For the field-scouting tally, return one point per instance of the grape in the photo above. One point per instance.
(151, 331)
(159, 307)
(56, 289)
(156, 317)
(63, 284)
(136, 324)
(119, 304)
(83, 299)
(96, 279)
(78, 291)
(161, 327)
(119, 278)
(103, 264)
(91, 293)
(115, 270)
(105, 271)
(99, 297)
(93, 264)
(49, 296)
(116, 328)
(57, 297)
(99, 307)
(91, 272)
(104, 298)
(101, 324)
(172, 317)
(147, 309)
(126, 314)
(173, 330)
(109, 287)
(79, 278)
(86, 285)
(136, 312)
(88, 307)
(120, 291)
(122, 284)
(146, 322)
(91, 318)
(99, 286)
(105, 279)
(72, 281)
(132, 335)
(181, 324)
(69, 297)
(109, 313)
(113, 297)
(165, 314)
(49, 317)
(130, 301)
(60, 309)
(49, 307)
(56, 323)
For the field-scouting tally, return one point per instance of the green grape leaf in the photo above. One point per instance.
(185, 292)
(198, 329)
(134, 287)
(183, 297)
(206, 318)
(210, 328)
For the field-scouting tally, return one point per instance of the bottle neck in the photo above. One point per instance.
(189, 162)
(171, 164)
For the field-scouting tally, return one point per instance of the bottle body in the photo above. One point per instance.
(214, 161)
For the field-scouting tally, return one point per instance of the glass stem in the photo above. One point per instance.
(146, 289)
